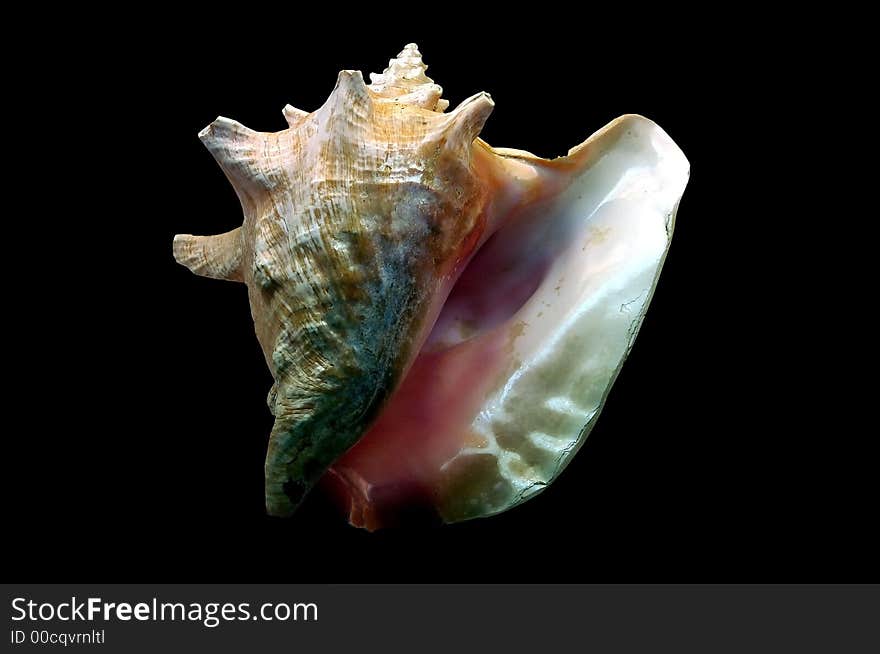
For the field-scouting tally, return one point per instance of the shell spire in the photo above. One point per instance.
(404, 81)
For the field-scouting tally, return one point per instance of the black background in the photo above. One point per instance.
(142, 455)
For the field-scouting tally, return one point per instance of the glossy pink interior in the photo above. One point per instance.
(398, 463)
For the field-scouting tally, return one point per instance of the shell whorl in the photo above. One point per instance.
(405, 82)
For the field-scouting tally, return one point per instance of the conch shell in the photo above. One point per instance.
(443, 319)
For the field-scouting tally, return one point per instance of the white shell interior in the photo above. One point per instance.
(575, 331)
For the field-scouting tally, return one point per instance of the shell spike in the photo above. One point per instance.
(293, 115)
(350, 93)
(238, 150)
(347, 113)
(465, 123)
(218, 257)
